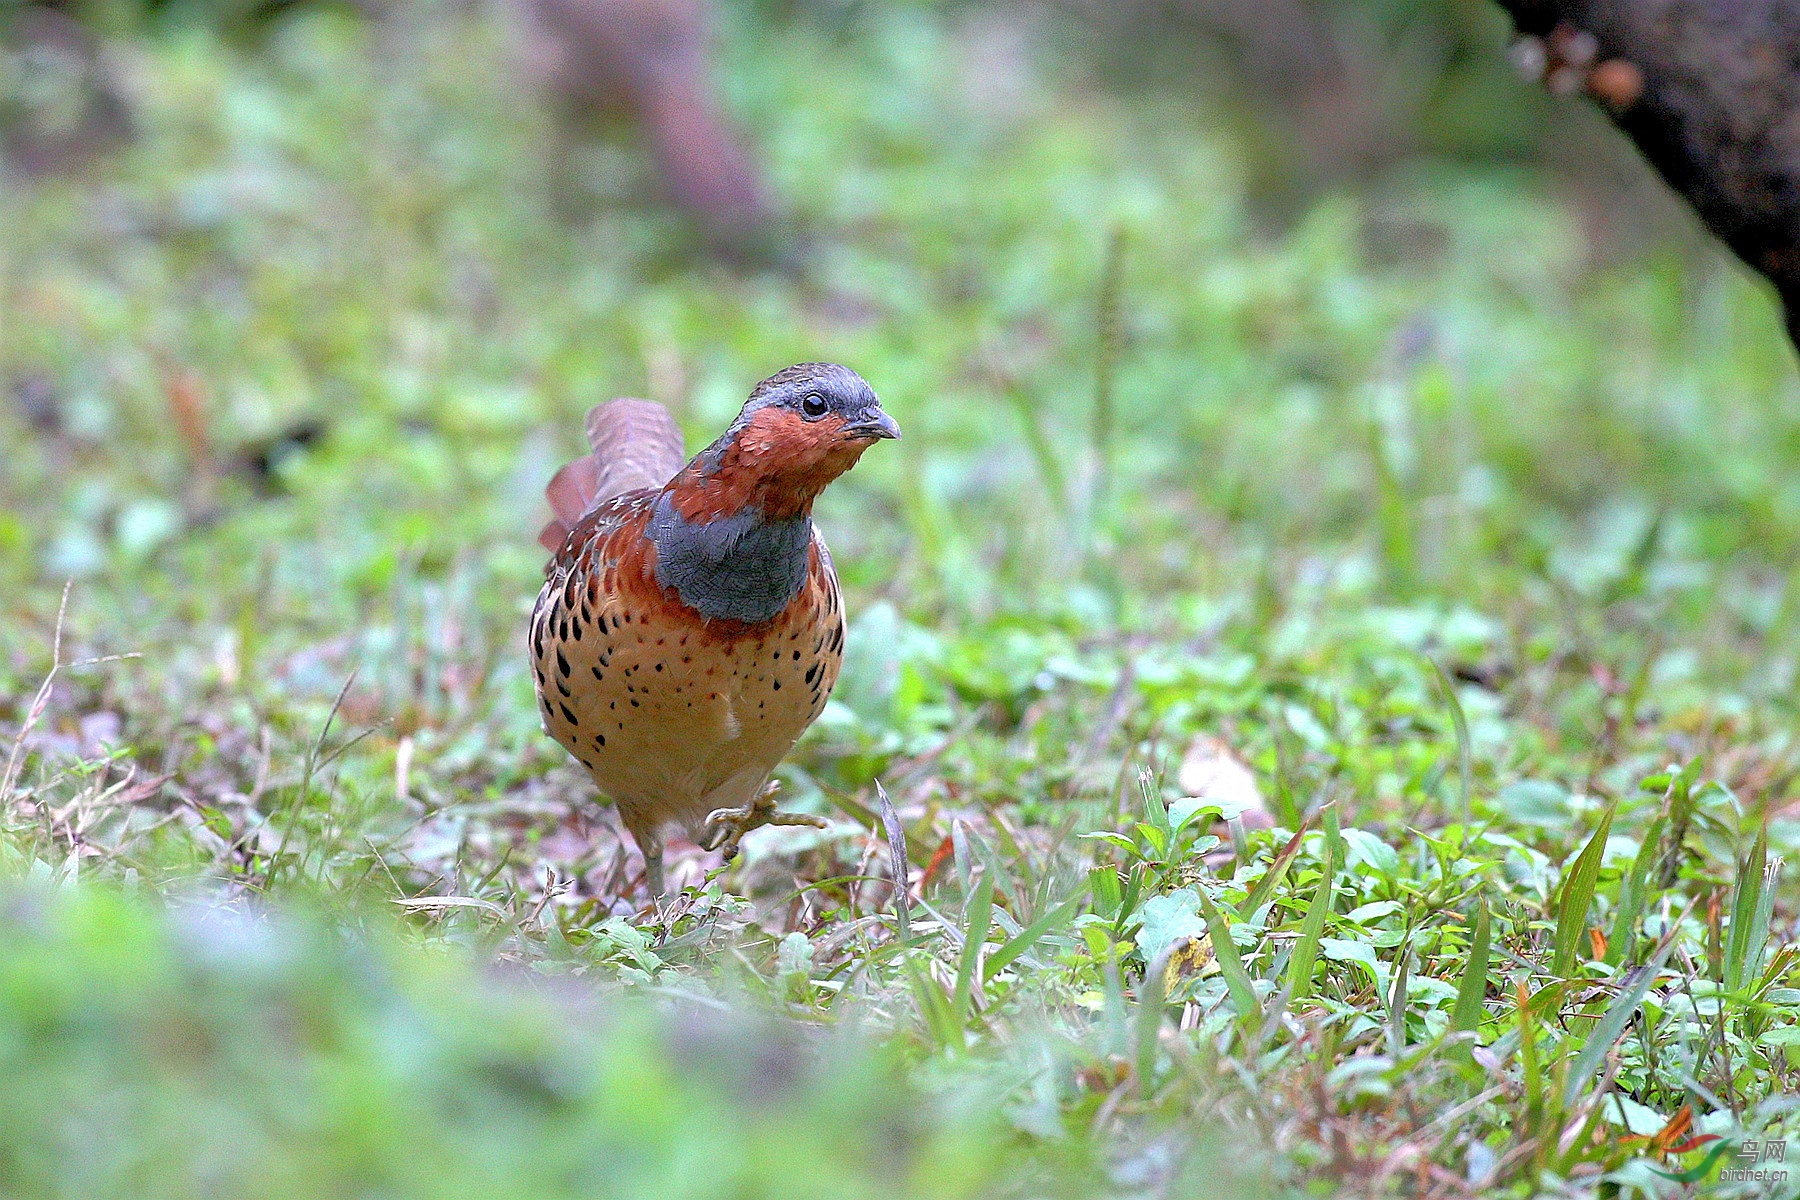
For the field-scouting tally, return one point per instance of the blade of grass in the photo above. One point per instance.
(1117, 1025)
(1578, 897)
(1028, 937)
(1633, 891)
(1752, 904)
(1231, 966)
(1108, 892)
(980, 918)
(1531, 1070)
(934, 1006)
(1284, 858)
(1312, 928)
(1679, 804)
(1447, 689)
(1043, 446)
(1108, 340)
(1471, 990)
(1334, 837)
(897, 860)
(1612, 1024)
(871, 820)
(1128, 902)
(1151, 1001)
(1396, 1014)
(309, 766)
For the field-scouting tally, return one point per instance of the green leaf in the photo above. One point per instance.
(1168, 919)
(1312, 928)
(1104, 883)
(1397, 1005)
(1752, 905)
(1237, 980)
(1348, 950)
(1364, 848)
(1633, 891)
(1471, 990)
(1578, 897)
(1265, 887)
(980, 920)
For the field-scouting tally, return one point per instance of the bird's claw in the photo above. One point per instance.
(726, 827)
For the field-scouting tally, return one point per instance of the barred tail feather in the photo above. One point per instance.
(637, 445)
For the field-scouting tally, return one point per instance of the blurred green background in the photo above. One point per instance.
(1252, 358)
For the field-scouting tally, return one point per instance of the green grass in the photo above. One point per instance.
(1477, 555)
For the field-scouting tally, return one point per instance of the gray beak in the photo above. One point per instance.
(873, 422)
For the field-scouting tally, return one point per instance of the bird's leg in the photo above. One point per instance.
(726, 827)
(649, 838)
(653, 866)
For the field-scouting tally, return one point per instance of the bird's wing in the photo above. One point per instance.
(637, 445)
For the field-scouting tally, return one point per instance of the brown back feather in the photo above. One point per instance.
(637, 444)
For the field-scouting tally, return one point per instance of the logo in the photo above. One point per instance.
(1751, 1153)
(1695, 1174)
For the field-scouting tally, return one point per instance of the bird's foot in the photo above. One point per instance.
(726, 827)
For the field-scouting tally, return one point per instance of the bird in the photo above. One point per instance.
(690, 626)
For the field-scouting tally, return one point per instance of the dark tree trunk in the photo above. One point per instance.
(1710, 92)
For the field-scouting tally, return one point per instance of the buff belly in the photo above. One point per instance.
(671, 720)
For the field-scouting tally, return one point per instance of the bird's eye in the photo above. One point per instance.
(813, 406)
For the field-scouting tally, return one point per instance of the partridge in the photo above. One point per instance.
(690, 626)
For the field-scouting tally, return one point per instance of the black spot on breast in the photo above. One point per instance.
(597, 675)
(569, 716)
(777, 685)
(562, 664)
(812, 672)
(564, 689)
(796, 656)
(659, 666)
(600, 740)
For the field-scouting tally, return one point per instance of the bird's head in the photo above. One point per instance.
(802, 427)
